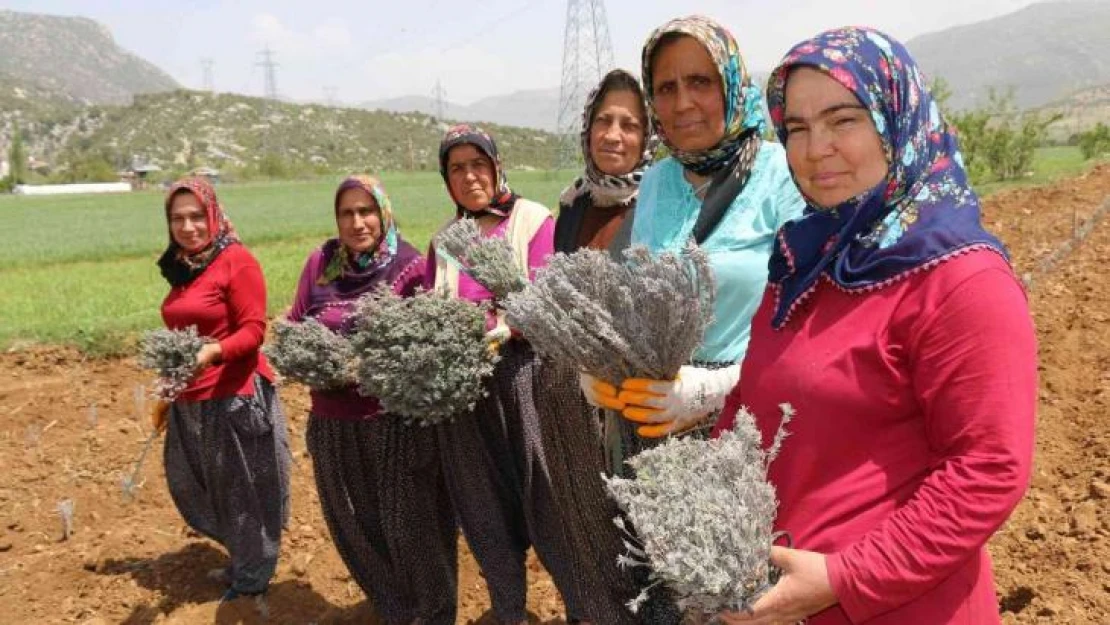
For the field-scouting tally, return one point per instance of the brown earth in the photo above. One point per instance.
(72, 429)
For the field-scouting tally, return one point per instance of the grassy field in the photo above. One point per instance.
(80, 269)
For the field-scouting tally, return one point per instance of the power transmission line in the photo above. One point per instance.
(329, 96)
(439, 94)
(269, 74)
(587, 57)
(206, 71)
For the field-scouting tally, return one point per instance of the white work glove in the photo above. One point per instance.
(496, 336)
(599, 393)
(668, 406)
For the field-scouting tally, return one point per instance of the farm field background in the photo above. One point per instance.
(73, 426)
(80, 269)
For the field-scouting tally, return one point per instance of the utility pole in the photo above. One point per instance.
(269, 74)
(439, 94)
(587, 57)
(206, 71)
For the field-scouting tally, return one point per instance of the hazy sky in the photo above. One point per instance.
(370, 49)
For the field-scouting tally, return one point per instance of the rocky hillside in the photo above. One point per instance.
(1045, 52)
(189, 128)
(75, 57)
(1080, 112)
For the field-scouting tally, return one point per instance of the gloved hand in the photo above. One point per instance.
(495, 337)
(159, 415)
(668, 406)
(598, 393)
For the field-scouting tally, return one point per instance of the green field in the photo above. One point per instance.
(80, 269)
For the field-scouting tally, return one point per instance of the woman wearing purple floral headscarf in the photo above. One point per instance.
(895, 327)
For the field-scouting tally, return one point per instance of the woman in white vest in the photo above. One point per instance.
(494, 460)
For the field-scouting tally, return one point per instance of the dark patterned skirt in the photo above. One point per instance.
(571, 430)
(382, 492)
(227, 466)
(496, 465)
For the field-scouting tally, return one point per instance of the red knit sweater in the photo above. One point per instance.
(226, 302)
(913, 436)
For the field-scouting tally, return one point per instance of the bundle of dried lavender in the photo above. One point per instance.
(423, 356)
(309, 353)
(489, 260)
(172, 355)
(702, 512)
(640, 318)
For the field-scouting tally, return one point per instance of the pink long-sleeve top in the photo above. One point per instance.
(540, 247)
(913, 435)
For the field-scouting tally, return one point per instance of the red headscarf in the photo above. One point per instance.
(180, 267)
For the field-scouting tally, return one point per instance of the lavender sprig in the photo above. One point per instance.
(172, 355)
(491, 261)
(309, 353)
(66, 509)
(423, 356)
(703, 513)
(640, 318)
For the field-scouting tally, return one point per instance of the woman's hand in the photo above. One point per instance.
(802, 591)
(209, 354)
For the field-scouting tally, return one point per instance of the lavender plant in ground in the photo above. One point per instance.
(489, 260)
(129, 484)
(311, 354)
(702, 515)
(423, 357)
(640, 318)
(172, 355)
(66, 509)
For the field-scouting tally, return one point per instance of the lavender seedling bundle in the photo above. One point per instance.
(311, 354)
(172, 355)
(66, 509)
(640, 318)
(129, 484)
(491, 261)
(423, 356)
(703, 514)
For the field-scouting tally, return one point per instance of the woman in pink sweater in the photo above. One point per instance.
(895, 327)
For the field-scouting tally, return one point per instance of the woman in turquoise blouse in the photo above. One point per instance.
(723, 186)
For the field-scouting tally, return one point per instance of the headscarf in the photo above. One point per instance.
(606, 189)
(503, 197)
(922, 214)
(348, 275)
(743, 100)
(730, 162)
(180, 267)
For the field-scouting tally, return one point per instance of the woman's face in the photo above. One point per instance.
(471, 177)
(359, 220)
(617, 133)
(189, 222)
(832, 145)
(688, 95)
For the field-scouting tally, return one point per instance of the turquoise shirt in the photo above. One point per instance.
(738, 248)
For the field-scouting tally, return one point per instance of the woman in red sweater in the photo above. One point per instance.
(895, 327)
(226, 454)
